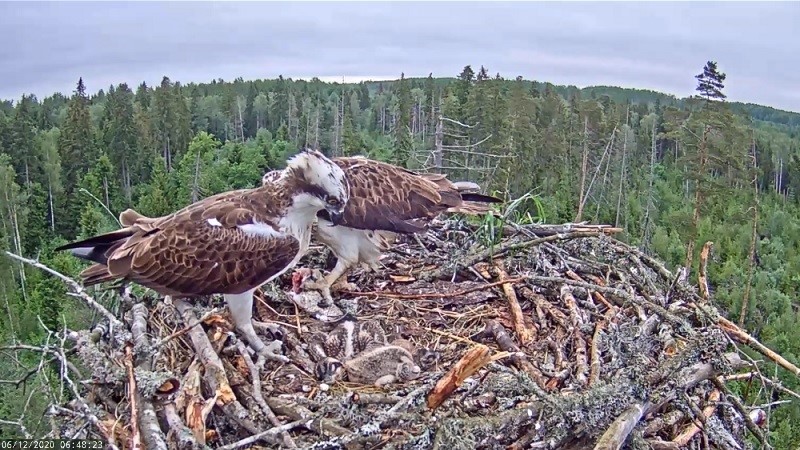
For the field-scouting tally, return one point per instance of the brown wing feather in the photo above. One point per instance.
(184, 254)
(388, 197)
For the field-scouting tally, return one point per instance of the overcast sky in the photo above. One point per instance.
(653, 45)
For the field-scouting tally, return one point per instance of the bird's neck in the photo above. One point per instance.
(297, 209)
(300, 216)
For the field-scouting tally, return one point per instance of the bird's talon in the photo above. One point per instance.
(326, 300)
(273, 331)
(271, 351)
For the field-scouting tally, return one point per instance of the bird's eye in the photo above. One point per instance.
(333, 201)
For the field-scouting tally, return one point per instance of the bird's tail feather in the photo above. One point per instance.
(96, 274)
(96, 248)
(479, 198)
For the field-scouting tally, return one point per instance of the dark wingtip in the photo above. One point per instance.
(472, 197)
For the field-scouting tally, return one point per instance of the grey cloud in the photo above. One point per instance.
(653, 45)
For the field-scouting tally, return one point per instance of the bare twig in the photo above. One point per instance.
(136, 437)
(692, 429)
(255, 374)
(439, 295)
(115, 217)
(79, 291)
(748, 421)
(282, 429)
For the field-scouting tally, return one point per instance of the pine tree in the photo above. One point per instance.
(716, 151)
(711, 82)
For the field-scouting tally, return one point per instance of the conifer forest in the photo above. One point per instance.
(672, 173)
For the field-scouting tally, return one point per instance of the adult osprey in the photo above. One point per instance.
(230, 243)
(385, 200)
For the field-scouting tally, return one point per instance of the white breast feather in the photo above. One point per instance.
(352, 244)
(259, 229)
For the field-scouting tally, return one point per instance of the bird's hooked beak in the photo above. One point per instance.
(336, 215)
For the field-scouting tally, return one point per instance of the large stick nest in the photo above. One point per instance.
(588, 344)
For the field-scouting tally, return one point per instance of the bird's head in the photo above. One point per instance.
(319, 184)
(329, 370)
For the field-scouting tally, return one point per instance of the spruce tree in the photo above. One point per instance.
(403, 142)
(76, 147)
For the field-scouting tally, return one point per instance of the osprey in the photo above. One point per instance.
(385, 200)
(230, 243)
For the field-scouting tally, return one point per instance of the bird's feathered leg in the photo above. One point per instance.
(241, 307)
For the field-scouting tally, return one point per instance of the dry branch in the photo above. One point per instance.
(743, 337)
(619, 430)
(77, 288)
(687, 434)
(525, 334)
(477, 357)
(702, 275)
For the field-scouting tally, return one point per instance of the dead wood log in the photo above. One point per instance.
(658, 444)
(475, 358)
(661, 422)
(702, 275)
(136, 437)
(183, 436)
(148, 426)
(525, 334)
(619, 430)
(594, 354)
(215, 375)
(313, 423)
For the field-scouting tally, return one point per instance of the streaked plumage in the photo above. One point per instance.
(230, 243)
(385, 200)
(361, 351)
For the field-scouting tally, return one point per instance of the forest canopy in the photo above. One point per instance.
(672, 173)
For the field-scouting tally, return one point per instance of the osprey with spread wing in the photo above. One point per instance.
(385, 200)
(230, 243)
